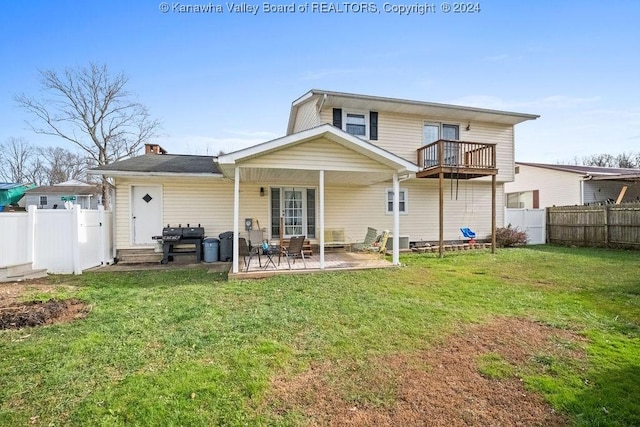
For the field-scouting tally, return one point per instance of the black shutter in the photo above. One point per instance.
(337, 117)
(373, 125)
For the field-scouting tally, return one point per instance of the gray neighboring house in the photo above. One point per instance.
(53, 196)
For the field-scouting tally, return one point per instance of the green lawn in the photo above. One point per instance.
(191, 348)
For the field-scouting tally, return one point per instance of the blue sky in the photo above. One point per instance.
(223, 81)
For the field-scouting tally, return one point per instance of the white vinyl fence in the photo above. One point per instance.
(530, 220)
(62, 241)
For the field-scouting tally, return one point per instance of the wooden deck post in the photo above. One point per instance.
(441, 190)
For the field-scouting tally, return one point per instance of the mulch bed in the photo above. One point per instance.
(38, 313)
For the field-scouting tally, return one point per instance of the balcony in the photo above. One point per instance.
(457, 159)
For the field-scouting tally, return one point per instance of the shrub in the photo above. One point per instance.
(508, 237)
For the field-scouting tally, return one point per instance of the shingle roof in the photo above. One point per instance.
(164, 163)
(72, 190)
(584, 170)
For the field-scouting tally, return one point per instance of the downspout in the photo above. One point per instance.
(324, 98)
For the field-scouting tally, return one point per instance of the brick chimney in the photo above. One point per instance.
(154, 149)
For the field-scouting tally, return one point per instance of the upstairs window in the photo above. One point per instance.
(356, 124)
(363, 124)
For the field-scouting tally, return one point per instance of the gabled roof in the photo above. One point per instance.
(323, 131)
(584, 170)
(406, 106)
(72, 190)
(161, 164)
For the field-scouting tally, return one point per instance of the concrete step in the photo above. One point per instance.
(15, 270)
(23, 274)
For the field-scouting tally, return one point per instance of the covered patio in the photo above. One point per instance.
(317, 157)
(333, 261)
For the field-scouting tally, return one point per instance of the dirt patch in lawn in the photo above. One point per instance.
(441, 387)
(15, 314)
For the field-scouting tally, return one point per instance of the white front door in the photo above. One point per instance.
(146, 213)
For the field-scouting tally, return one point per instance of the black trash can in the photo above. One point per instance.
(211, 248)
(226, 246)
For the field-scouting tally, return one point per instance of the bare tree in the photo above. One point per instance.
(91, 108)
(19, 162)
(627, 160)
(622, 160)
(63, 165)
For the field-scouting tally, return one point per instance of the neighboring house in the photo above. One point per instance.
(539, 185)
(55, 196)
(337, 167)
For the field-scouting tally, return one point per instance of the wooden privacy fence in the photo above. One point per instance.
(605, 226)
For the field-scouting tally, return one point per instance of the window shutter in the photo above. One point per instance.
(337, 117)
(536, 199)
(373, 125)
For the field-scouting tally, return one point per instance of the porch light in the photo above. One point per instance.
(262, 192)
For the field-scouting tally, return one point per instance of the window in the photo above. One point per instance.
(402, 201)
(356, 124)
(363, 124)
(43, 201)
(296, 206)
(432, 132)
(523, 200)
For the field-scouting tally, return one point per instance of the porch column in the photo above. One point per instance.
(236, 217)
(493, 214)
(396, 220)
(321, 200)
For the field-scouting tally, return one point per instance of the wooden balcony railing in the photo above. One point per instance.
(457, 158)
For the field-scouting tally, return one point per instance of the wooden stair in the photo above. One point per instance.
(139, 256)
(19, 272)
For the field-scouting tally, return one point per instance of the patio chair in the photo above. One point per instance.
(380, 244)
(245, 252)
(370, 237)
(294, 250)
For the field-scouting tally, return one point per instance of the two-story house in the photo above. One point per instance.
(419, 169)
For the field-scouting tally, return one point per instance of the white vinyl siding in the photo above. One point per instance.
(315, 155)
(307, 117)
(194, 201)
(402, 135)
(471, 209)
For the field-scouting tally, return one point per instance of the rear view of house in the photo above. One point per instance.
(347, 162)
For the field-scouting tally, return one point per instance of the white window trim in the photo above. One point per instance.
(46, 199)
(304, 207)
(406, 201)
(367, 122)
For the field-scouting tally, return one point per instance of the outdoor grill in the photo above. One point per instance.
(175, 238)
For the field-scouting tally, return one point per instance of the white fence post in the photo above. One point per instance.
(75, 239)
(31, 233)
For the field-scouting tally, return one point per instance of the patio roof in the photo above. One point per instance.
(261, 163)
